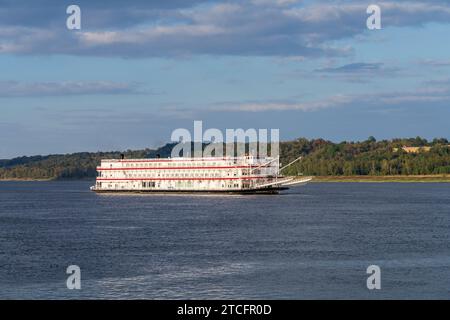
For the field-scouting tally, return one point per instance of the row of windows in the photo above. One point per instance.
(173, 175)
(175, 164)
(180, 171)
(152, 184)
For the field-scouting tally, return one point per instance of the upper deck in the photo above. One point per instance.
(186, 163)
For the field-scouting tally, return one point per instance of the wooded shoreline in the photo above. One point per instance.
(318, 179)
(397, 160)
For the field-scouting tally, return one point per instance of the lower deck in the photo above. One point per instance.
(268, 190)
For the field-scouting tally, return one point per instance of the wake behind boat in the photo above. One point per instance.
(246, 174)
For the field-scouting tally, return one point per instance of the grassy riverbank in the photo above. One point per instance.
(397, 178)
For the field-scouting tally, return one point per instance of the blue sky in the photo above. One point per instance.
(138, 70)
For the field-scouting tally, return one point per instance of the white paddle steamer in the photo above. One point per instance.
(246, 174)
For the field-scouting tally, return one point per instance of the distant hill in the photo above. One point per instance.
(321, 158)
(370, 157)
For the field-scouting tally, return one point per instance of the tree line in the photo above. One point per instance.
(370, 157)
(320, 158)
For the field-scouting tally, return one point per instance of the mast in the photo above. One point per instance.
(278, 166)
(290, 163)
(263, 164)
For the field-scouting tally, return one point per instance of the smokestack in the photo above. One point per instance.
(122, 156)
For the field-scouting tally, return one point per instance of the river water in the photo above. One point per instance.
(310, 242)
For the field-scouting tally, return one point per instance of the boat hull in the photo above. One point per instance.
(162, 191)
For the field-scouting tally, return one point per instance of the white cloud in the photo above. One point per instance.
(431, 94)
(143, 36)
(262, 106)
(23, 89)
(259, 28)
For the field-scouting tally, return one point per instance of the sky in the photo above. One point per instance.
(138, 70)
